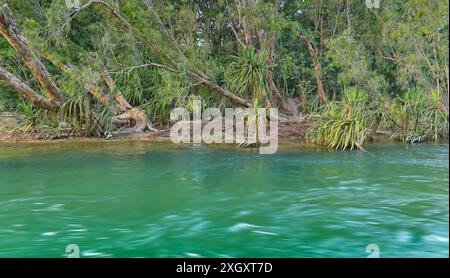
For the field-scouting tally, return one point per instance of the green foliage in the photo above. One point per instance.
(247, 73)
(6, 51)
(353, 62)
(2, 105)
(28, 110)
(78, 113)
(342, 124)
(367, 58)
(416, 117)
(439, 125)
(36, 117)
(165, 98)
(131, 87)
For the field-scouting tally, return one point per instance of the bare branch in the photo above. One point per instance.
(128, 70)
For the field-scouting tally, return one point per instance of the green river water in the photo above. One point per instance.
(146, 200)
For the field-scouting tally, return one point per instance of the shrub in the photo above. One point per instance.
(417, 117)
(342, 124)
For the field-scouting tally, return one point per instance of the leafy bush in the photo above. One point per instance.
(417, 117)
(342, 124)
(165, 98)
(247, 73)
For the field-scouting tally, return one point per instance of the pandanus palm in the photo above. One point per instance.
(247, 73)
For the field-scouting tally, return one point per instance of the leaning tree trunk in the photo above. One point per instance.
(136, 117)
(124, 113)
(282, 102)
(26, 92)
(122, 102)
(234, 98)
(10, 31)
(315, 59)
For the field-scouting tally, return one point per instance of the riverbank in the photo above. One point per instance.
(292, 129)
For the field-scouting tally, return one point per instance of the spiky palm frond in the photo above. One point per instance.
(247, 73)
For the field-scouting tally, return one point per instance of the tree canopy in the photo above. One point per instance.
(105, 63)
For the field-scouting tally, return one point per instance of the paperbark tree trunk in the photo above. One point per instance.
(312, 50)
(124, 113)
(234, 98)
(280, 99)
(10, 31)
(26, 92)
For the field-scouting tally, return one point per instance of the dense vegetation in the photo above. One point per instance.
(114, 65)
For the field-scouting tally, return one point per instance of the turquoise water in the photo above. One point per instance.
(144, 200)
